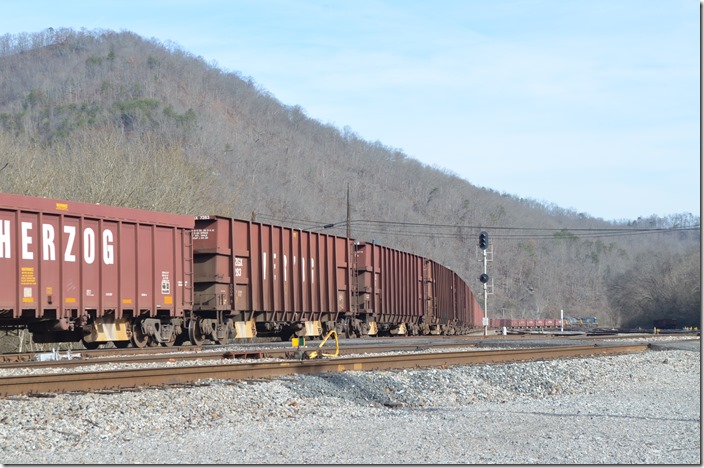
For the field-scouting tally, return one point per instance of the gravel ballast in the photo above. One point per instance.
(639, 408)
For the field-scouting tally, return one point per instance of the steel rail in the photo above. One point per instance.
(165, 376)
(28, 356)
(199, 355)
(255, 350)
(251, 349)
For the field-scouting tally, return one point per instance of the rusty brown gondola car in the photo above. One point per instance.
(270, 280)
(277, 280)
(77, 271)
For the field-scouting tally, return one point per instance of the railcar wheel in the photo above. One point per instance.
(229, 328)
(139, 339)
(195, 335)
(356, 329)
(181, 339)
(224, 341)
(90, 344)
(121, 344)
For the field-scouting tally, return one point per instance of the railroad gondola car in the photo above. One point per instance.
(274, 280)
(260, 279)
(77, 271)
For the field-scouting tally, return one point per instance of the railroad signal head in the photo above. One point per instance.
(483, 240)
(484, 278)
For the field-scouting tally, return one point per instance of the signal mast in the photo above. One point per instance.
(484, 277)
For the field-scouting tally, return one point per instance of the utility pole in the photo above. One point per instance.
(348, 211)
(351, 272)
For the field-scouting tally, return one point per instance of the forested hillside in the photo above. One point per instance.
(114, 118)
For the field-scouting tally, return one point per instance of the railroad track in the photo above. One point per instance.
(189, 354)
(77, 358)
(185, 375)
(259, 350)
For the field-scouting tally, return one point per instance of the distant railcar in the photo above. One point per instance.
(665, 324)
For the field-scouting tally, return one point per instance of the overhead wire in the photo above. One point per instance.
(458, 231)
(516, 233)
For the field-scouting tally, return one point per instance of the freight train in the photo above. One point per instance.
(73, 271)
(571, 322)
(524, 323)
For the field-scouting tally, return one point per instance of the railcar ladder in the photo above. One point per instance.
(188, 272)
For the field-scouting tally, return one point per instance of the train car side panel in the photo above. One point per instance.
(280, 277)
(63, 261)
(389, 287)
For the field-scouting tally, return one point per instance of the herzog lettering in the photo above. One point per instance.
(28, 242)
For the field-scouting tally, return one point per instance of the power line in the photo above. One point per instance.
(460, 232)
(521, 228)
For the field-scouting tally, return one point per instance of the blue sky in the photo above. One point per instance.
(590, 105)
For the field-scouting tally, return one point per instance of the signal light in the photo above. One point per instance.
(484, 278)
(483, 240)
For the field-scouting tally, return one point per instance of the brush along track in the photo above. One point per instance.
(135, 378)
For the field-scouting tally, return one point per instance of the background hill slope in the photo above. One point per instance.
(114, 118)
